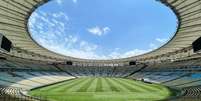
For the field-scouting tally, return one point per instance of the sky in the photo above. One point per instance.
(102, 29)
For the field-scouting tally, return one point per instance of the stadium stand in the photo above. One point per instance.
(28, 65)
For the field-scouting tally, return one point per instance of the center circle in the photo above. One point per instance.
(102, 29)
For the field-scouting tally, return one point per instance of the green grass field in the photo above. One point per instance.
(103, 89)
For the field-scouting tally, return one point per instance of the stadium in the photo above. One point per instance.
(30, 72)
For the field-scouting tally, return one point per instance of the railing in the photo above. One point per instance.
(187, 99)
(21, 98)
(27, 98)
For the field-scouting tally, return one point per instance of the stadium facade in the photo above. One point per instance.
(28, 65)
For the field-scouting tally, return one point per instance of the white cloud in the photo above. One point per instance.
(56, 23)
(134, 52)
(106, 29)
(88, 47)
(71, 39)
(98, 30)
(59, 15)
(74, 1)
(153, 46)
(59, 2)
(95, 31)
(161, 40)
(87, 50)
(61, 41)
(33, 19)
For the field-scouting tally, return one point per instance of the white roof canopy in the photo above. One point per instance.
(14, 15)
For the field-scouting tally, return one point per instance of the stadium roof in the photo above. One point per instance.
(14, 15)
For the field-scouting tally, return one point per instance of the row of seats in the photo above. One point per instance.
(171, 79)
(79, 71)
(192, 91)
(26, 65)
(29, 80)
(190, 94)
(12, 85)
(27, 75)
(10, 91)
(71, 70)
(15, 94)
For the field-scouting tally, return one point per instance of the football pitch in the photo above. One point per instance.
(103, 89)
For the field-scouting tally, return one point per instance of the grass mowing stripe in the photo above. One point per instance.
(99, 85)
(135, 85)
(106, 87)
(112, 86)
(63, 85)
(57, 85)
(157, 86)
(84, 87)
(141, 85)
(127, 86)
(105, 95)
(92, 87)
(77, 86)
(119, 86)
(59, 89)
(63, 89)
(151, 87)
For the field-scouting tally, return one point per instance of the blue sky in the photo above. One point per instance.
(102, 29)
